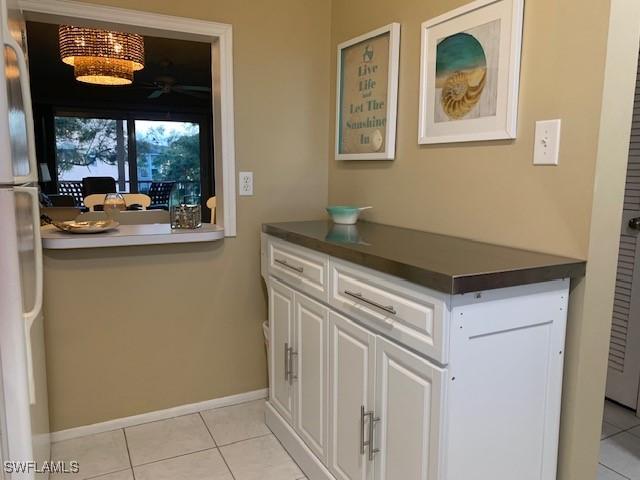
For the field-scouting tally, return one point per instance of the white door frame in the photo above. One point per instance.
(220, 35)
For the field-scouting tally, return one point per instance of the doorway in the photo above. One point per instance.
(620, 436)
(623, 377)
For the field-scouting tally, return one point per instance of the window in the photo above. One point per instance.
(91, 147)
(167, 151)
(134, 148)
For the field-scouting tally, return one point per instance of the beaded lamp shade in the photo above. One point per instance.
(100, 56)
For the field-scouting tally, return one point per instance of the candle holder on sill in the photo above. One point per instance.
(185, 210)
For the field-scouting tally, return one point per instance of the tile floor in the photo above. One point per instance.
(620, 444)
(230, 443)
(233, 443)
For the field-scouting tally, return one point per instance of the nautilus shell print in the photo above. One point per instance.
(461, 74)
(461, 92)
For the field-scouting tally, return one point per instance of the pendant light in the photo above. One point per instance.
(99, 56)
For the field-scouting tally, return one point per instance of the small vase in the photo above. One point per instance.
(185, 210)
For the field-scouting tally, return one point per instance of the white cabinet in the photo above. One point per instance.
(386, 380)
(385, 407)
(281, 330)
(298, 349)
(351, 392)
(310, 373)
(409, 402)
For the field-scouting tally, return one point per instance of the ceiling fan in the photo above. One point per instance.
(167, 84)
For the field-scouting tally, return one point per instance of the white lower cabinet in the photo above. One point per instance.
(409, 405)
(311, 379)
(298, 349)
(352, 397)
(351, 393)
(281, 331)
(385, 407)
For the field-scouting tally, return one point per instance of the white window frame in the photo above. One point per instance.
(220, 35)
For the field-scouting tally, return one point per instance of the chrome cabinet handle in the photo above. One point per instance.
(358, 296)
(292, 354)
(286, 362)
(363, 444)
(372, 423)
(367, 443)
(284, 263)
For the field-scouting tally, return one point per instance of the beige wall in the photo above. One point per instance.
(491, 191)
(130, 330)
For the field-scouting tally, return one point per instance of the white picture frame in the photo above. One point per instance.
(494, 114)
(386, 150)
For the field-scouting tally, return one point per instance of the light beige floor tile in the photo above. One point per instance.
(635, 431)
(167, 438)
(97, 454)
(605, 474)
(124, 475)
(207, 465)
(261, 458)
(619, 416)
(235, 423)
(621, 453)
(608, 430)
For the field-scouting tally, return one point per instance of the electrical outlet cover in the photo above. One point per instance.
(546, 148)
(245, 181)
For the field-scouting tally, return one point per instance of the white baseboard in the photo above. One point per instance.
(157, 415)
(304, 457)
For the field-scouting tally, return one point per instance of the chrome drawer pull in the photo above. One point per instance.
(285, 264)
(358, 296)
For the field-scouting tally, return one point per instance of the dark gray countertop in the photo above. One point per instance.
(447, 264)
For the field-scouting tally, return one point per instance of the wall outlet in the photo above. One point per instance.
(546, 147)
(245, 179)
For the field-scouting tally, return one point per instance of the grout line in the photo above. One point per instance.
(622, 430)
(176, 456)
(227, 464)
(614, 471)
(246, 439)
(126, 442)
(208, 430)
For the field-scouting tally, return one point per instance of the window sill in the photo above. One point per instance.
(129, 235)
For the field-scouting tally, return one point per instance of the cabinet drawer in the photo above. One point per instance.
(300, 267)
(412, 315)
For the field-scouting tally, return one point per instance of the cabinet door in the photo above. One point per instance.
(409, 399)
(281, 325)
(310, 370)
(351, 387)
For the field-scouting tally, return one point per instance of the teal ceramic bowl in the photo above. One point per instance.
(345, 214)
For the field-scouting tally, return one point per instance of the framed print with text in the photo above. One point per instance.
(367, 95)
(470, 73)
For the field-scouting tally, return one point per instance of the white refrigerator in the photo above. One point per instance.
(24, 421)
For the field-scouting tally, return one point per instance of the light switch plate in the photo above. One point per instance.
(245, 179)
(546, 148)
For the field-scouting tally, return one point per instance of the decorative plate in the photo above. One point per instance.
(94, 226)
